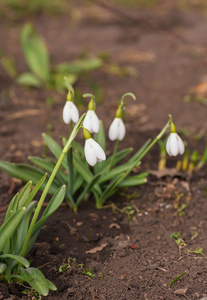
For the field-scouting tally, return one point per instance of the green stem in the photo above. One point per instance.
(158, 137)
(70, 164)
(114, 154)
(52, 176)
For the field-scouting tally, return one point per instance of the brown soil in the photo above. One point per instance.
(137, 259)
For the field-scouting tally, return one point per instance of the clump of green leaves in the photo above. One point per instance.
(22, 226)
(72, 262)
(41, 73)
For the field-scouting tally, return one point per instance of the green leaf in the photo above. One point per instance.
(35, 278)
(48, 167)
(55, 149)
(111, 189)
(9, 65)
(29, 79)
(132, 181)
(24, 194)
(100, 137)
(35, 52)
(9, 226)
(80, 66)
(53, 205)
(86, 174)
(88, 188)
(25, 173)
(23, 227)
(20, 259)
(3, 267)
(51, 286)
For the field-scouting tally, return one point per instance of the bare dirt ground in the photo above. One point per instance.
(166, 55)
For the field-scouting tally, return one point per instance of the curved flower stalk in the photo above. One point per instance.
(93, 151)
(91, 121)
(174, 145)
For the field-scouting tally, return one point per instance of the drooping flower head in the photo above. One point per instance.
(117, 128)
(70, 111)
(174, 145)
(93, 151)
(91, 121)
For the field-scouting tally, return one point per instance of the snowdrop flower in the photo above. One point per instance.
(70, 111)
(117, 129)
(174, 145)
(91, 121)
(93, 151)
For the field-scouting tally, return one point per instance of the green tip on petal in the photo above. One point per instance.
(119, 112)
(172, 128)
(91, 105)
(69, 96)
(86, 134)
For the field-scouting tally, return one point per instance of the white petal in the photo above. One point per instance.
(87, 123)
(95, 122)
(117, 130)
(67, 112)
(181, 146)
(174, 144)
(122, 130)
(168, 145)
(113, 130)
(70, 112)
(74, 113)
(90, 153)
(100, 154)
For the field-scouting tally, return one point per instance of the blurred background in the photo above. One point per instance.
(153, 48)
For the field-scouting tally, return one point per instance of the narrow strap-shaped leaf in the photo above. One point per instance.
(18, 258)
(35, 190)
(140, 151)
(48, 167)
(26, 172)
(35, 52)
(55, 149)
(23, 227)
(24, 194)
(9, 226)
(111, 188)
(132, 181)
(35, 278)
(100, 137)
(88, 188)
(53, 205)
(9, 211)
(85, 173)
(120, 155)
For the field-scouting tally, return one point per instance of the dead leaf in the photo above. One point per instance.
(96, 249)
(23, 113)
(181, 291)
(166, 172)
(200, 89)
(114, 225)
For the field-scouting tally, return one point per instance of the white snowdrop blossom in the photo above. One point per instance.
(117, 130)
(91, 121)
(70, 112)
(93, 152)
(174, 145)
